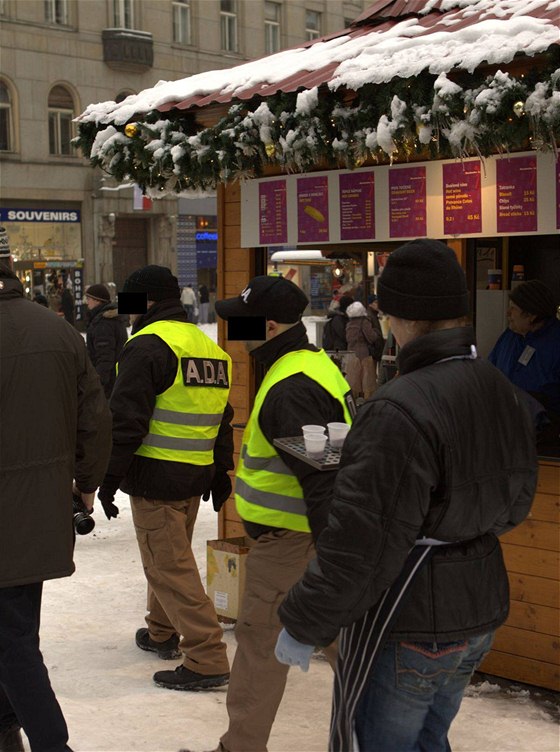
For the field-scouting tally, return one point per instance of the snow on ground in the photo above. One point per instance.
(104, 682)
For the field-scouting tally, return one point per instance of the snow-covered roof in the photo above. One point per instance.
(391, 39)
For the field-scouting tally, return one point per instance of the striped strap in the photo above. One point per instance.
(359, 646)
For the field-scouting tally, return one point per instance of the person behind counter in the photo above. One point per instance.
(528, 352)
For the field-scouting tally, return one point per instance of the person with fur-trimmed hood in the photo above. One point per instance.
(105, 336)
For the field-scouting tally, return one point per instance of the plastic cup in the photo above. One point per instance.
(315, 445)
(337, 434)
(313, 429)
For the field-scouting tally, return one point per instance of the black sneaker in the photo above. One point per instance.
(166, 650)
(187, 680)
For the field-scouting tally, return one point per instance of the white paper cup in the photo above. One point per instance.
(337, 434)
(315, 445)
(313, 429)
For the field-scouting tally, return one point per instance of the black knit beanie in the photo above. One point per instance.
(534, 297)
(156, 281)
(423, 281)
(98, 292)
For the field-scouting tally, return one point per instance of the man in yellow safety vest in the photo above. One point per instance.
(282, 500)
(172, 443)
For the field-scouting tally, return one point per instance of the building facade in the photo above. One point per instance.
(58, 56)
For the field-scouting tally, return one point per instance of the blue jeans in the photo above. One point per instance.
(415, 693)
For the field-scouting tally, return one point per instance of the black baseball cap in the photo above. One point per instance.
(275, 298)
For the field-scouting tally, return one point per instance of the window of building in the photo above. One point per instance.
(123, 14)
(61, 113)
(271, 27)
(3, 8)
(122, 95)
(181, 21)
(312, 25)
(56, 12)
(228, 25)
(6, 127)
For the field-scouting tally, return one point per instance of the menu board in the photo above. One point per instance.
(407, 202)
(313, 209)
(273, 215)
(357, 213)
(516, 194)
(462, 198)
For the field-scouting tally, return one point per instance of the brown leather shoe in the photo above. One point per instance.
(10, 740)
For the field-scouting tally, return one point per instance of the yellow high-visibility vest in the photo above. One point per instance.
(266, 490)
(187, 416)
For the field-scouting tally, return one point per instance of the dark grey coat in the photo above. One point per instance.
(445, 451)
(55, 425)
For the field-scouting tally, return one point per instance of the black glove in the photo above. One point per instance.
(106, 496)
(221, 490)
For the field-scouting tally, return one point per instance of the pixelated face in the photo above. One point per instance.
(519, 321)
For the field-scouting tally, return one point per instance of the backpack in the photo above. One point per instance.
(376, 348)
(328, 340)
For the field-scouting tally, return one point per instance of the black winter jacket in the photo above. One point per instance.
(55, 426)
(147, 367)
(334, 333)
(290, 404)
(446, 451)
(105, 338)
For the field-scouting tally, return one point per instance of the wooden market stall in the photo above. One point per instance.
(322, 112)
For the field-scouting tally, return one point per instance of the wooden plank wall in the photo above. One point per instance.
(235, 268)
(527, 647)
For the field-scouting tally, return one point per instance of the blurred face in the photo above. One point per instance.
(519, 321)
(91, 303)
(273, 329)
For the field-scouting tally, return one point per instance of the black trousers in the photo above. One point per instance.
(26, 696)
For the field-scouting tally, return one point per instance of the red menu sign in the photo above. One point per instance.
(407, 202)
(273, 216)
(356, 195)
(462, 198)
(516, 194)
(313, 209)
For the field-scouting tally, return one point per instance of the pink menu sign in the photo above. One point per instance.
(313, 209)
(407, 202)
(516, 194)
(356, 195)
(462, 198)
(273, 216)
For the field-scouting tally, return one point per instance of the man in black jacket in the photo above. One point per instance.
(437, 464)
(282, 500)
(172, 443)
(105, 335)
(55, 429)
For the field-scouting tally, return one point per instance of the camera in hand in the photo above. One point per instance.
(83, 521)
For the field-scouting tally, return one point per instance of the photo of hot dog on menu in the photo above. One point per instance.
(313, 209)
(314, 213)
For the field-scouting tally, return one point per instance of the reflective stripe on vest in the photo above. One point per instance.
(266, 491)
(187, 416)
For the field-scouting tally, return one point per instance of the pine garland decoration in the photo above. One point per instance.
(420, 118)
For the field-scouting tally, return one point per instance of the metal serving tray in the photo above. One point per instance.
(295, 446)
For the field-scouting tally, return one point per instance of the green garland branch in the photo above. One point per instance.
(425, 117)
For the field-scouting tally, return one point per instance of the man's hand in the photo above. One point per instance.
(293, 653)
(106, 495)
(221, 490)
(88, 499)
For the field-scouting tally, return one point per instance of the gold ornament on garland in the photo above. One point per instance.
(270, 150)
(519, 108)
(131, 130)
(358, 161)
